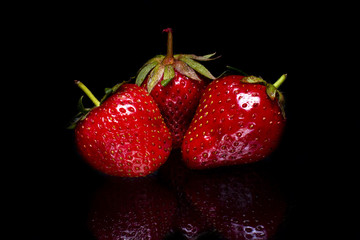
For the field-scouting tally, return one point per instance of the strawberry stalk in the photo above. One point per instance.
(169, 59)
(161, 69)
(278, 83)
(88, 93)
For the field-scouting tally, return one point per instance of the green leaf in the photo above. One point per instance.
(237, 70)
(198, 58)
(144, 72)
(208, 56)
(169, 74)
(281, 101)
(271, 91)
(157, 58)
(116, 87)
(109, 91)
(74, 121)
(253, 79)
(155, 77)
(83, 112)
(184, 69)
(197, 67)
(80, 105)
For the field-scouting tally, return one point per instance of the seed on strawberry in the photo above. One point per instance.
(239, 120)
(176, 83)
(123, 135)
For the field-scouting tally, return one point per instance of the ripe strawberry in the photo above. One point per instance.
(125, 135)
(239, 120)
(132, 208)
(176, 87)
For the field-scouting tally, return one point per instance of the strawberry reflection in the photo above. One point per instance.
(177, 203)
(239, 202)
(132, 208)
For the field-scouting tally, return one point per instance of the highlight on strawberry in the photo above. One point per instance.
(124, 134)
(176, 103)
(239, 120)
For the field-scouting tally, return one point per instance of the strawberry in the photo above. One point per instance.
(124, 135)
(176, 86)
(132, 208)
(239, 120)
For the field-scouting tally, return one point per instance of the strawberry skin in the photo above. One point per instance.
(177, 102)
(239, 120)
(125, 135)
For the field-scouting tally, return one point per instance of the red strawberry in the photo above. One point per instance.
(240, 203)
(132, 208)
(125, 135)
(239, 120)
(176, 87)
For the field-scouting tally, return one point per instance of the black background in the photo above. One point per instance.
(101, 46)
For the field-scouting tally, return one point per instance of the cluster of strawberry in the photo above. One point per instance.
(177, 103)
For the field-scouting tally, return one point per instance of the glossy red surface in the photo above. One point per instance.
(235, 123)
(126, 135)
(177, 102)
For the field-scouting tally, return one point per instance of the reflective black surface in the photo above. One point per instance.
(237, 203)
(313, 183)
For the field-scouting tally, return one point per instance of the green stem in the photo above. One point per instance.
(169, 59)
(88, 93)
(280, 81)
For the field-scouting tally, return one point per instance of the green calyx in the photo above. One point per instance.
(83, 112)
(233, 70)
(271, 89)
(162, 68)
